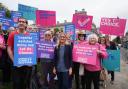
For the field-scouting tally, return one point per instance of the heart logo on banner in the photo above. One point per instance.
(83, 23)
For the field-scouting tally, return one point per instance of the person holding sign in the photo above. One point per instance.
(63, 62)
(77, 66)
(47, 64)
(93, 71)
(22, 74)
(110, 46)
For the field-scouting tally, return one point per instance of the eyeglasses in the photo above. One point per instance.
(62, 37)
(22, 21)
(47, 35)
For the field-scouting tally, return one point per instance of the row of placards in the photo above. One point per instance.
(6, 22)
(26, 52)
(45, 18)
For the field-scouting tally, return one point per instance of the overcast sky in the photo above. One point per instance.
(66, 8)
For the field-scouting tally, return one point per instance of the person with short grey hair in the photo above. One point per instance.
(47, 65)
(93, 71)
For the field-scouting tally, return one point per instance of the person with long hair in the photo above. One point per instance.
(63, 62)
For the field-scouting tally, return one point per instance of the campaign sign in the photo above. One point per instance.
(15, 15)
(82, 21)
(2, 14)
(45, 18)
(28, 12)
(35, 34)
(85, 54)
(24, 50)
(42, 31)
(6, 23)
(112, 63)
(70, 29)
(45, 49)
(112, 26)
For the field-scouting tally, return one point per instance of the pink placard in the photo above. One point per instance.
(85, 54)
(45, 18)
(112, 26)
(82, 21)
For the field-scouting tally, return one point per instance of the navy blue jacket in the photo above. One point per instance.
(67, 56)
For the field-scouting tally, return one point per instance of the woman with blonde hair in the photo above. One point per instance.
(63, 62)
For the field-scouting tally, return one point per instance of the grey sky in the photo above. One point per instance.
(66, 8)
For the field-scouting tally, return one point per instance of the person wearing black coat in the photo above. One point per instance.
(63, 62)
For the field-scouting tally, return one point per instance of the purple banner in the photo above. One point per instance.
(45, 49)
(42, 31)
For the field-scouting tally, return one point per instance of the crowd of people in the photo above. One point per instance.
(62, 68)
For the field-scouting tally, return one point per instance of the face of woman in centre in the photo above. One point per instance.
(92, 41)
(62, 38)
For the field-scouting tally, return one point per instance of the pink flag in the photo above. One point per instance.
(112, 26)
(85, 54)
(82, 21)
(45, 18)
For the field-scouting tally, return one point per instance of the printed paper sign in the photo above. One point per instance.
(24, 50)
(45, 49)
(85, 54)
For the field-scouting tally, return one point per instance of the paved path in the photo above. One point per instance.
(121, 78)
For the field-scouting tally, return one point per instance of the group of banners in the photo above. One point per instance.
(26, 52)
(6, 22)
(45, 18)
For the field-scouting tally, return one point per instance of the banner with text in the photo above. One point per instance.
(6, 23)
(35, 35)
(15, 15)
(112, 26)
(85, 54)
(70, 29)
(45, 49)
(42, 31)
(45, 18)
(24, 50)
